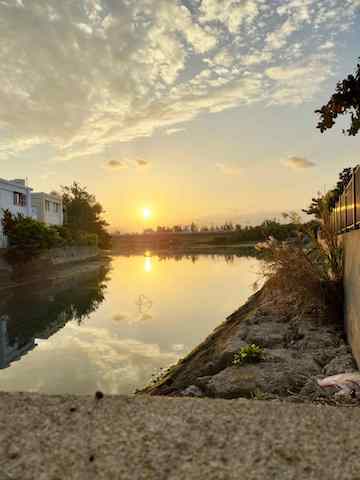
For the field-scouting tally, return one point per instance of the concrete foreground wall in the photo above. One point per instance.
(351, 242)
(158, 438)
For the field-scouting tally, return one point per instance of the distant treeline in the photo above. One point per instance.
(239, 233)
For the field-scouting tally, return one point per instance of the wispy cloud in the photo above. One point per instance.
(172, 131)
(228, 169)
(99, 72)
(298, 163)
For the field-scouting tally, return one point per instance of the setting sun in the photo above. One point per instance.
(146, 212)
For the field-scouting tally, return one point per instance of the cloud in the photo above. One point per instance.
(230, 12)
(297, 82)
(298, 163)
(228, 170)
(141, 163)
(172, 131)
(101, 72)
(327, 45)
(106, 362)
(116, 164)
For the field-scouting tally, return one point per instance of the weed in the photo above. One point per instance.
(250, 354)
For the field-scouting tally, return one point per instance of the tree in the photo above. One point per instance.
(328, 201)
(83, 214)
(194, 228)
(345, 101)
(344, 178)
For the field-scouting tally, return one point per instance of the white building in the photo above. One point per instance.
(11, 352)
(15, 196)
(48, 208)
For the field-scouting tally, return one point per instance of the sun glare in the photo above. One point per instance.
(146, 212)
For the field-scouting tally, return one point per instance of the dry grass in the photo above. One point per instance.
(310, 269)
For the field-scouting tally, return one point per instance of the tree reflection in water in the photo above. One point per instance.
(39, 311)
(244, 252)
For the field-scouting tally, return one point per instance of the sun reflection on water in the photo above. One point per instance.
(148, 264)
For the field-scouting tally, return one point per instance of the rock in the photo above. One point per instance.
(317, 339)
(228, 350)
(267, 334)
(192, 391)
(312, 391)
(280, 355)
(340, 364)
(323, 357)
(293, 333)
(234, 382)
(268, 377)
(202, 382)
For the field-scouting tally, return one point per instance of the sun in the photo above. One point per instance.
(146, 212)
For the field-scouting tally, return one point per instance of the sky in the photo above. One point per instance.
(199, 110)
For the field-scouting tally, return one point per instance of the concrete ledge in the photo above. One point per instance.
(159, 438)
(60, 256)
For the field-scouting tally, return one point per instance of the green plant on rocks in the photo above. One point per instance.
(250, 354)
(259, 395)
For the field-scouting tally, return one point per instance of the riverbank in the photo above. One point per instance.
(45, 437)
(300, 344)
(176, 243)
(57, 264)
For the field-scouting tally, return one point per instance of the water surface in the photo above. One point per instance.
(112, 328)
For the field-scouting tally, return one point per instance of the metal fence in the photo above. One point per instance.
(346, 214)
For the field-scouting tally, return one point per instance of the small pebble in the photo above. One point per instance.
(99, 395)
(91, 458)
(73, 409)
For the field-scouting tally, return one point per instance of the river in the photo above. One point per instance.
(113, 328)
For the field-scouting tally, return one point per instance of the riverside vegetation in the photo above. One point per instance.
(84, 226)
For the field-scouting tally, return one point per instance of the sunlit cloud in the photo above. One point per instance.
(140, 163)
(116, 164)
(121, 317)
(98, 72)
(298, 163)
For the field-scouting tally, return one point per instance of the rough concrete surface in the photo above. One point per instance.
(146, 437)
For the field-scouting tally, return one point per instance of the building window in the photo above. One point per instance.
(47, 205)
(19, 199)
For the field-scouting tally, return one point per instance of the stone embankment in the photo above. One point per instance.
(299, 345)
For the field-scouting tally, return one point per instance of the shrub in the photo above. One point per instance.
(250, 354)
(89, 239)
(28, 238)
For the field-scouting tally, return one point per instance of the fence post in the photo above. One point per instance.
(354, 196)
(340, 214)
